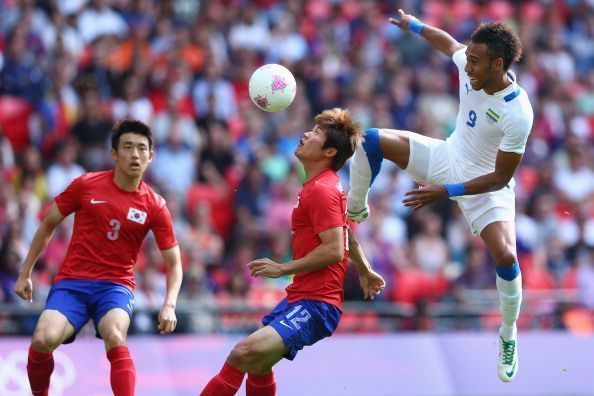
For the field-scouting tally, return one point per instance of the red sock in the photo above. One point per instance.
(260, 385)
(40, 366)
(225, 383)
(123, 372)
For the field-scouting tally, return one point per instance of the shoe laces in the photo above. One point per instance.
(509, 347)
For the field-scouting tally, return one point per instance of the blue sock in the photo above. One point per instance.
(508, 272)
(374, 151)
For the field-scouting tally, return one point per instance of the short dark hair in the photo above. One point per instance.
(130, 126)
(501, 41)
(342, 133)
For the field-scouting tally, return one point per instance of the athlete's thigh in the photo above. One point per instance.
(395, 146)
(115, 322)
(53, 328)
(266, 342)
(303, 323)
(111, 308)
(500, 238)
(429, 159)
(69, 298)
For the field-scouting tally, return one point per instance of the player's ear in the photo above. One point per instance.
(498, 63)
(331, 152)
(151, 155)
(113, 153)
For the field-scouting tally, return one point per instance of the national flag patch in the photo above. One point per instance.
(492, 117)
(137, 216)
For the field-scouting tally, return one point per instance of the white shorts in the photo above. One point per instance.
(430, 160)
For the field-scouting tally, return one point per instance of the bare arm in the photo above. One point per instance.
(371, 282)
(23, 286)
(505, 166)
(357, 255)
(330, 251)
(439, 39)
(167, 318)
(429, 193)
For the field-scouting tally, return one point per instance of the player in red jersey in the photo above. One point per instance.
(312, 309)
(113, 210)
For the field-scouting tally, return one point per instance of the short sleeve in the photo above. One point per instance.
(162, 227)
(515, 135)
(325, 208)
(68, 201)
(459, 58)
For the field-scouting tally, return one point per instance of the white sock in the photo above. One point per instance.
(359, 179)
(510, 300)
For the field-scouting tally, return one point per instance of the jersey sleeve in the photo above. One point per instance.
(325, 209)
(515, 135)
(162, 227)
(459, 58)
(68, 201)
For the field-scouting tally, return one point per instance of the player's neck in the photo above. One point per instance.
(499, 84)
(126, 182)
(312, 170)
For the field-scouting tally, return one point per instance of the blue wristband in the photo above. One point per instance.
(416, 26)
(455, 189)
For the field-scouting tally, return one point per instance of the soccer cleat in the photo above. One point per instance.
(507, 366)
(358, 216)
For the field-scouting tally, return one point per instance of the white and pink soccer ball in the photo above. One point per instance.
(272, 87)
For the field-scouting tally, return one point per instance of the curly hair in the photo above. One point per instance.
(501, 41)
(342, 133)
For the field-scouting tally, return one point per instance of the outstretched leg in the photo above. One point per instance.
(500, 238)
(256, 355)
(366, 164)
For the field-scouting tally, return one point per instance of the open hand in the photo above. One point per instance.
(403, 20)
(426, 194)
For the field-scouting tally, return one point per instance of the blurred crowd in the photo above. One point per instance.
(70, 68)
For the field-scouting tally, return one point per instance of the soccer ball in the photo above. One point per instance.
(272, 87)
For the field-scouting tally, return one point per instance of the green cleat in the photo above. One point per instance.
(508, 359)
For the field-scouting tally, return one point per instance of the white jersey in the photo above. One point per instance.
(487, 123)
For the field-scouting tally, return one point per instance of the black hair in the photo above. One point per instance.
(130, 126)
(501, 41)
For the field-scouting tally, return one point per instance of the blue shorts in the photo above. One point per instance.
(81, 300)
(302, 323)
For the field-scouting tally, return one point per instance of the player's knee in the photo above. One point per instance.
(260, 369)
(244, 354)
(46, 339)
(114, 338)
(505, 257)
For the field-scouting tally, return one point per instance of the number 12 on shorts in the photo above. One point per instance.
(302, 316)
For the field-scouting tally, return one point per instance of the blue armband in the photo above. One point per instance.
(455, 189)
(416, 26)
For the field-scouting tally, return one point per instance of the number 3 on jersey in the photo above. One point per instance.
(115, 229)
(471, 119)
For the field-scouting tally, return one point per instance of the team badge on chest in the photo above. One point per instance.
(137, 216)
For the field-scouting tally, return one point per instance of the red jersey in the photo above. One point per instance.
(109, 227)
(321, 205)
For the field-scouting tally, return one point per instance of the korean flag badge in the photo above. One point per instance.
(137, 216)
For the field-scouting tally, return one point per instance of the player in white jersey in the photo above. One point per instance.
(474, 166)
